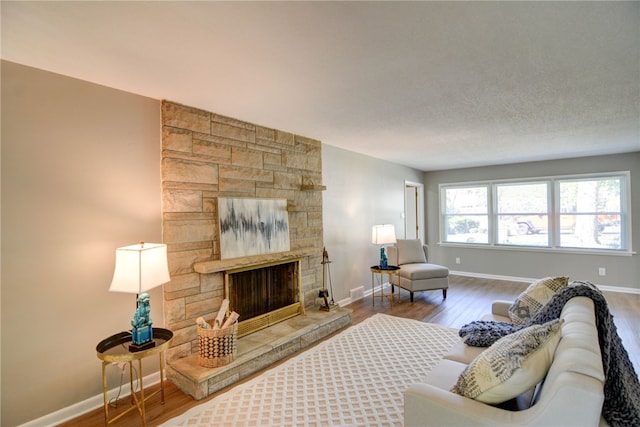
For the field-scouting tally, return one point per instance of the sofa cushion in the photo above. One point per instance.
(445, 374)
(512, 365)
(534, 298)
(423, 271)
(410, 251)
(463, 353)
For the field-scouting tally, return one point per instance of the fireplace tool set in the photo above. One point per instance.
(324, 293)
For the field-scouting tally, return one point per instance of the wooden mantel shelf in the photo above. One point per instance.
(311, 187)
(214, 266)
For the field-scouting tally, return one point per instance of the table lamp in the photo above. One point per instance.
(139, 268)
(383, 235)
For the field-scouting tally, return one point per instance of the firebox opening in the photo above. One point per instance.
(264, 295)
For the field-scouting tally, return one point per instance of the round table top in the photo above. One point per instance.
(386, 269)
(116, 349)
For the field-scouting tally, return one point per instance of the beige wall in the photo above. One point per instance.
(361, 192)
(80, 177)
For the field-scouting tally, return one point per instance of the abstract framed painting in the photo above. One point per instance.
(252, 226)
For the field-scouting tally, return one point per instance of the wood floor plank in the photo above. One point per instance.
(468, 299)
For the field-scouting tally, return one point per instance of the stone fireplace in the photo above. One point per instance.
(206, 156)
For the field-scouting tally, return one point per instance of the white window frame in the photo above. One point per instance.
(444, 215)
(496, 214)
(554, 218)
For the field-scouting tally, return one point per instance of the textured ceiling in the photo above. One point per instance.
(431, 85)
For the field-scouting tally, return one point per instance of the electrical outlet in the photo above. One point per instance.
(602, 271)
(457, 260)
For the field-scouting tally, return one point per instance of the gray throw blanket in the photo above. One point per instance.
(621, 387)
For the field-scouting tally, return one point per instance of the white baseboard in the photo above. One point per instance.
(491, 276)
(88, 405)
(345, 301)
(619, 289)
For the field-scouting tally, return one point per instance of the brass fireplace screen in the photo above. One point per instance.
(265, 294)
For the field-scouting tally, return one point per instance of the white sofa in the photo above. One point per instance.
(571, 394)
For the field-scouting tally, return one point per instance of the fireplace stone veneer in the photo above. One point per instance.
(206, 156)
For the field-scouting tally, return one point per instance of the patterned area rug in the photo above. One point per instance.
(355, 378)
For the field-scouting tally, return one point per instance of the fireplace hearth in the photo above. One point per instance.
(257, 351)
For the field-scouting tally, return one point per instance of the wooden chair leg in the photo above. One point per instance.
(411, 296)
(444, 294)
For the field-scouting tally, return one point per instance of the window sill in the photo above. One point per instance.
(572, 251)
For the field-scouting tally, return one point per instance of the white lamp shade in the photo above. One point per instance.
(383, 234)
(140, 267)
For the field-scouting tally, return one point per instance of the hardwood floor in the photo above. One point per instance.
(468, 299)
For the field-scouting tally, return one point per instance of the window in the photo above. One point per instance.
(587, 212)
(466, 216)
(590, 213)
(523, 214)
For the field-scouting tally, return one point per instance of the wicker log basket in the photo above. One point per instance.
(217, 347)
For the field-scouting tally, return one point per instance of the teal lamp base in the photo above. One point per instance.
(142, 338)
(141, 330)
(384, 261)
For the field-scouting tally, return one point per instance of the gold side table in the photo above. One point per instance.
(389, 271)
(115, 349)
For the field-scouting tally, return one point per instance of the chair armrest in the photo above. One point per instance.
(501, 308)
(425, 249)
